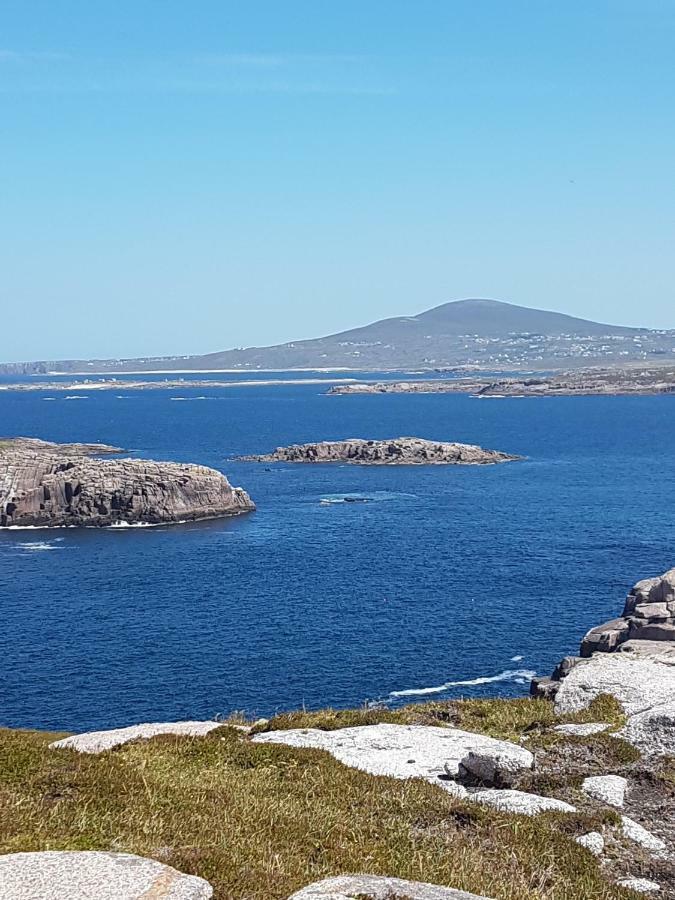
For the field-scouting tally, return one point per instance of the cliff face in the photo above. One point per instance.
(398, 451)
(50, 485)
(633, 654)
(648, 615)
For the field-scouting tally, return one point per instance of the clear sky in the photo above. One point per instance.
(191, 176)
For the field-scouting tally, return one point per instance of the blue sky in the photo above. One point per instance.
(186, 177)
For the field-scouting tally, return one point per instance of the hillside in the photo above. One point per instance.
(487, 333)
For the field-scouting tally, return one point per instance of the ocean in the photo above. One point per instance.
(446, 581)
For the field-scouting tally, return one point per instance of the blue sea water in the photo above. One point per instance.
(448, 581)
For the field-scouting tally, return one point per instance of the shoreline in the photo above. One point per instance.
(64, 386)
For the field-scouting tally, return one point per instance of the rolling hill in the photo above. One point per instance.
(489, 334)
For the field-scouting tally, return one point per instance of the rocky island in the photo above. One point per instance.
(618, 380)
(46, 485)
(403, 451)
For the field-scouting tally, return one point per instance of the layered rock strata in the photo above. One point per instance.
(44, 485)
(404, 451)
(648, 615)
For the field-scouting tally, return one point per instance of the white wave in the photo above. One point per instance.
(145, 524)
(76, 397)
(188, 398)
(34, 527)
(39, 546)
(517, 658)
(520, 676)
(49, 398)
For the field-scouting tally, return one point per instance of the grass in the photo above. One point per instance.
(499, 718)
(259, 821)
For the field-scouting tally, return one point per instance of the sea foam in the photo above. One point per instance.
(519, 676)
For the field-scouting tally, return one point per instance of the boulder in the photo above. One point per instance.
(520, 802)
(639, 835)
(83, 875)
(544, 687)
(401, 751)
(653, 730)
(377, 887)
(494, 767)
(52, 486)
(610, 789)
(605, 638)
(594, 842)
(651, 590)
(640, 885)
(98, 741)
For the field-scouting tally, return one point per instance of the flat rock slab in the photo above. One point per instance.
(376, 887)
(582, 730)
(609, 789)
(642, 678)
(638, 682)
(85, 875)
(521, 803)
(641, 885)
(98, 741)
(401, 751)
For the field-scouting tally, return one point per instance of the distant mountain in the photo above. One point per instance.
(485, 333)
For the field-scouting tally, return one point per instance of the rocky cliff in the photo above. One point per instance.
(43, 484)
(632, 658)
(404, 451)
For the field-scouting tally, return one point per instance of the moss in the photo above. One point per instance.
(259, 820)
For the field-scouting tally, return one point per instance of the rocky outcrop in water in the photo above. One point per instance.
(618, 380)
(648, 615)
(43, 484)
(403, 451)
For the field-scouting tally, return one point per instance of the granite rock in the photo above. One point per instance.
(609, 789)
(520, 802)
(99, 741)
(648, 615)
(401, 751)
(593, 841)
(495, 767)
(83, 875)
(582, 729)
(639, 835)
(377, 887)
(640, 885)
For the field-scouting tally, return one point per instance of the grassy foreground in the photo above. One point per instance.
(260, 821)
